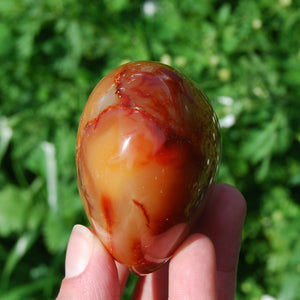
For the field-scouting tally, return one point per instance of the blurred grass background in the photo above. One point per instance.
(245, 55)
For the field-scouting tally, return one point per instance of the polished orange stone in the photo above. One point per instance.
(148, 148)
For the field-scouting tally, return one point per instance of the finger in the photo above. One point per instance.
(123, 274)
(90, 272)
(153, 286)
(192, 273)
(222, 221)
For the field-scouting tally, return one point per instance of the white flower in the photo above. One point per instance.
(285, 2)
(49, 152)
(267, 297)
(180, 61)
(5, 135)
(228, 121)
(225, 100)
(166, 59)
(256, 23)
(224, 74)
(257, 91)
(214, 60)
(21, 245)
(149, 8)
(124, 61)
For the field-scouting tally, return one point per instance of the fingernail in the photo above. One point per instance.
(79, 251)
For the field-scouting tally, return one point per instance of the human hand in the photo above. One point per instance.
(203, 267)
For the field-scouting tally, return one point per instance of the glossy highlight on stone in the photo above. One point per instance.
(147, 150)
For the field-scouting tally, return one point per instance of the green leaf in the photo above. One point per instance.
(14, 207)
(263, 170)
(224, 14)
(116, 5)
(25, 291)
(263, 143)
(290, 287)
(260, 143)
(20, 248)
(5, 136)
(5, 39)
(56, 232)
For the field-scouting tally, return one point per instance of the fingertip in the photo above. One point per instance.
(123, 273)
(79, 251)
(226, 193)
(230, 192)
(196, 243)
(90, 270)
(193, 268)
(222, 221)
(225, 207)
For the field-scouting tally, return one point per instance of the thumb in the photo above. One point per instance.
(90, 272)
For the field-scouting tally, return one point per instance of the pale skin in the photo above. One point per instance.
(203, 268)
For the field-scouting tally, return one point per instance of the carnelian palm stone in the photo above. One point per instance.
(147, 150)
